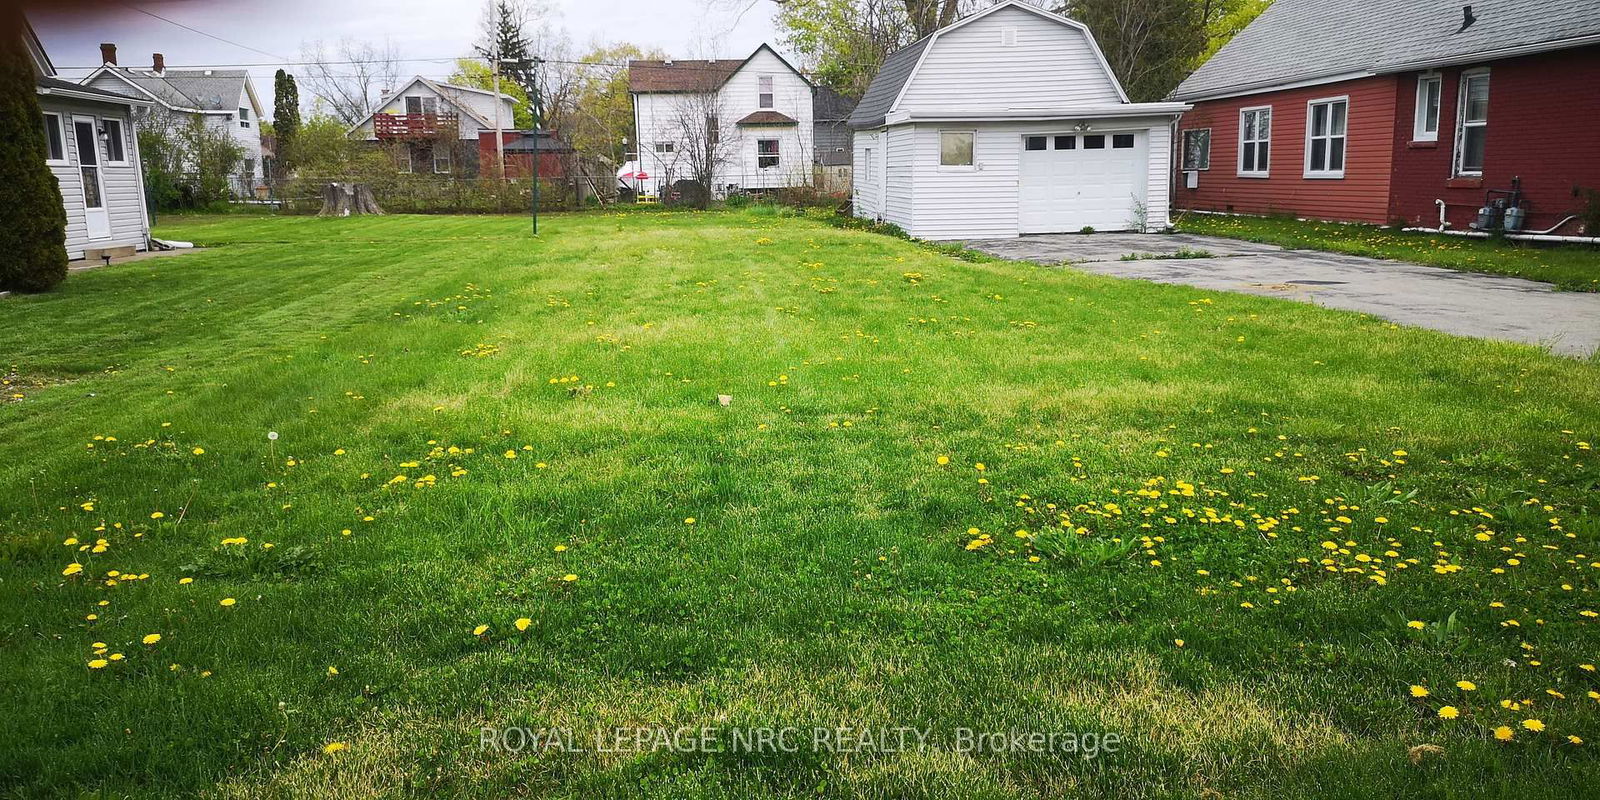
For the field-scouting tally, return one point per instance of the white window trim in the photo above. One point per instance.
(771, 94)
(122, 133)
(1420, 111)
(671, 148)
(1326, 174)
(1461, 124)
(61, 133)
(943, 167)
(1239, 164)
(778, 155)
(448, 166)
(1183, 151)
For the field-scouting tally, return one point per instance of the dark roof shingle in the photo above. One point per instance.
(886, 85)
(1297, 40)
(680, 76)
(766, 118)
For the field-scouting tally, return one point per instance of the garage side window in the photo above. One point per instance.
(955, 148)
(116, 144)
(1197, 149)
(1255, 140)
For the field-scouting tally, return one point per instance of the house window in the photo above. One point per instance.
(1034, 142)
(955, 148)
(1325, 137)
(1472, 123)
(1066, 142)
(244, 117)
(1122, 141)
(422, 105)
(54, 140)
(1094, 141)
(1197, 149)
(441, 160)
(1425, 125)
(766, 153)
(764, 90)
(116, 145)
(664, 147)
(713, 130)
(1255, 141)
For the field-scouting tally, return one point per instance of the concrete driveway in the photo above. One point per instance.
(1462, 303)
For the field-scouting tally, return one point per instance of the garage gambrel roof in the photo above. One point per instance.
(887, 98)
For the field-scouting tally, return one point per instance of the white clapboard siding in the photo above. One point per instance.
(899, 176)
(1050, 66)
(659, 118)
(124, 194)
(867, 188)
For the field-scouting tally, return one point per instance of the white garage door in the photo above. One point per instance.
(1071, 181)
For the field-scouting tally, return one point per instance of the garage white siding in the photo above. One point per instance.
(1049, 65)
(1003, 74)
(867, 189)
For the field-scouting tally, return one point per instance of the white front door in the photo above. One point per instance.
(1073, 181)
(95, 216)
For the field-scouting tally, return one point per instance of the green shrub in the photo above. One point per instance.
(33, 222)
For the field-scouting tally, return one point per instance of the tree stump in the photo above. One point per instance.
(341, 199)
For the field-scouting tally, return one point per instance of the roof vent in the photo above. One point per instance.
(1466, 18)
(667, 63)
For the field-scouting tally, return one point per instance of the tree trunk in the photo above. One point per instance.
(341, 199)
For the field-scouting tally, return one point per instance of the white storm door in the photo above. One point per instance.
(95, 217)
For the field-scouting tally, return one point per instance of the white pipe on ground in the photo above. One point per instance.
(1520, 237)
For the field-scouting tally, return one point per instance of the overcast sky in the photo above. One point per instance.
(434, 32)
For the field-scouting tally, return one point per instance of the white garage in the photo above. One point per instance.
(1009, 122)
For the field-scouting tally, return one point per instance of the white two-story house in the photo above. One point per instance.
(224, 99)
(759, 109)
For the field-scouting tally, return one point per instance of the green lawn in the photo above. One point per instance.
(1571, 267)
(1233, 531)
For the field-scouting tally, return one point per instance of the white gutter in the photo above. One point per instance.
(121, 100)
(1042, 115)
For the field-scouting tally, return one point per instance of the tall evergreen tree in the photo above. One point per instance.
(285, 122)
(33, 223)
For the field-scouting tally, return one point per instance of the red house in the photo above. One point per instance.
(1382, 110)
(557, 159)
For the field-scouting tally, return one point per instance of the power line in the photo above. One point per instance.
(201, 32)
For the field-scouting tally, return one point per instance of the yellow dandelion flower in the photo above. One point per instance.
(72, 569)
(1467, 686)
(333, 747)
(1533, 725)
(480, 630)
(1449, 712)
(523, 623)
(1419, 691)
(98, 663)
(1503, 733)
(151, 638)
(227, 601)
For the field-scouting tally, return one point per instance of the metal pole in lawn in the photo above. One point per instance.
(538, 119)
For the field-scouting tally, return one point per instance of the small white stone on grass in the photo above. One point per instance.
(724, 400)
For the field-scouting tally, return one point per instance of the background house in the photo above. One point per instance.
(1378, 110)
(91, 149)
(434, 126)
(223, 99)
(1004, 123)
(759, 109)
(831, 139)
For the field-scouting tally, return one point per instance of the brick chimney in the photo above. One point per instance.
(108, 53)
(158, 63)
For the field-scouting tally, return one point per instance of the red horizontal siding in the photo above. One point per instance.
(1362, 195)
(1544, 126)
